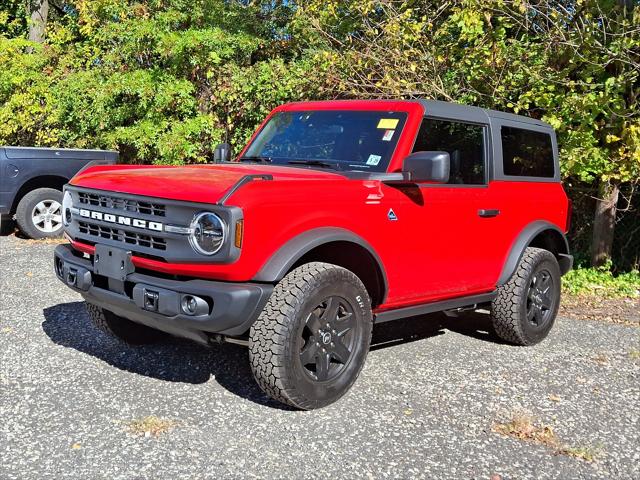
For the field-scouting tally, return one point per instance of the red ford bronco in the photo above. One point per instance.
(335, 216)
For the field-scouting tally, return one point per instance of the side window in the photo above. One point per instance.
(463, 141)
(527, 153)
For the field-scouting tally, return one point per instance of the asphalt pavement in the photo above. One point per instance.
(425, 406)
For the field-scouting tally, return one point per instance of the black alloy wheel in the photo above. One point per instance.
(312, 338)
(525, 308)
(327, 339)
(540, 298)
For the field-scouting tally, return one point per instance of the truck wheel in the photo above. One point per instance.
(311, 340)
(39, 213)
(526, 306)
(119, 327)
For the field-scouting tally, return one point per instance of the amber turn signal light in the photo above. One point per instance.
(239, 233)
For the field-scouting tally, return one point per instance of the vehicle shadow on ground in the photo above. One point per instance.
(178, 360)
(171, 359)
(472, 324)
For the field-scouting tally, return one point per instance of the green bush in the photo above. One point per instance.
(602, 283)
(162, 82)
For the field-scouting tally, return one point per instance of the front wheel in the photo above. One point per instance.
(310, 342)
(525, 307)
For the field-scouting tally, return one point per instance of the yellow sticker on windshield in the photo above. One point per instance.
(388, 123)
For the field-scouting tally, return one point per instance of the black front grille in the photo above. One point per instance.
(124, 236)
(127, 205)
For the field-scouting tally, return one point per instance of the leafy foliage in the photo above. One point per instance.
(13, 18)
(161, 81)
(165, 80)
(602, 283)
(573, 64)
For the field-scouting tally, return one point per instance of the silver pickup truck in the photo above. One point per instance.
(31, 181)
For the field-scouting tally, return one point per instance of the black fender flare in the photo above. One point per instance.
(280, 262)
(524, 239)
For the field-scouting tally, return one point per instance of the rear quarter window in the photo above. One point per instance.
(527, 153)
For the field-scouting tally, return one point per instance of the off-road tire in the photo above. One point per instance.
(25, 209)
(509, 308)
(121, 328)
(275, 340)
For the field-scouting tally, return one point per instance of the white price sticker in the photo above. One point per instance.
(374, 159)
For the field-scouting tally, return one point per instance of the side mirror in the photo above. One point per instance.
(427, 167)
(222, 153)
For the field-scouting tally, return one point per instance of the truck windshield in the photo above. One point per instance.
(338, 139)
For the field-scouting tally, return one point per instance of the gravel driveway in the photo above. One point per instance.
(426, 405)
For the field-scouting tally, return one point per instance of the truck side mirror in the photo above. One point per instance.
(427, 167)
(222, 153)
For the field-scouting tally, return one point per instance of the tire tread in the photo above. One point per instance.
(505, 307)
(273, 329)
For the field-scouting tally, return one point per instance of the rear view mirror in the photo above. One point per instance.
(222, 153)
(427, 167)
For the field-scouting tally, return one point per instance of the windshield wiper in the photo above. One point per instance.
(316, 163)
(257, 158)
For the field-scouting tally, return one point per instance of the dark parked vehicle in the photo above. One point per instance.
(31, 181)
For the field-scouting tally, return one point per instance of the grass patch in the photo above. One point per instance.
(601, 359)
(46, 241)
(634, 354)
(601, 282)
(150, 426)
(524, 427)
(588, 454)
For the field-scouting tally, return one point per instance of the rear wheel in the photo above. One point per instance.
(525, 308)
(39, 213)
(311, 340)
(121, 328)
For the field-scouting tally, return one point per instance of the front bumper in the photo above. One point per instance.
(230, 308)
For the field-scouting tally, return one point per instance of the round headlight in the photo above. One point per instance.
(67, 203)
(208, 233)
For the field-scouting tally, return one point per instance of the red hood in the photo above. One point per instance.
(197, 183)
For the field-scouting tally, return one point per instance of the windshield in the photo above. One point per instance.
(341, 139)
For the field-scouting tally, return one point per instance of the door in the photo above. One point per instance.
(452, 243)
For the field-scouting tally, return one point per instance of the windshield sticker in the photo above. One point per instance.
(388, 123)
(388, 135)
(374, 159)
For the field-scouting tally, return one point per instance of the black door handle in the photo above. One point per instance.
(488, 213)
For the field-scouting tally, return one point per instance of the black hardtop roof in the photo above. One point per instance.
(71, 153)
(437, 108)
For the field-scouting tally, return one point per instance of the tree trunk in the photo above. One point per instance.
(604, 223)
(39, 12)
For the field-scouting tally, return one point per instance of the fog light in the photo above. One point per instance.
(192, 305)
(189, 305)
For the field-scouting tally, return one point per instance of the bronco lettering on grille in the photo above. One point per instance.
(121, 220)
